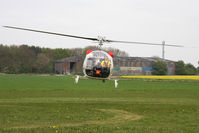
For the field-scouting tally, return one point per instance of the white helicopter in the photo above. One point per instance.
(97, 64)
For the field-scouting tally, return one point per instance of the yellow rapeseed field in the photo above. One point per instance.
(190, 77)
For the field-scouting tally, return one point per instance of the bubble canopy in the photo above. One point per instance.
(98, 64)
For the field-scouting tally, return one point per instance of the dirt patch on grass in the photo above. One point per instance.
(120, 116)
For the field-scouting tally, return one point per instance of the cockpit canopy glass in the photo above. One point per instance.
(98, 64)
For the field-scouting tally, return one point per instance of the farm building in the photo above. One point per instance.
(122, 65)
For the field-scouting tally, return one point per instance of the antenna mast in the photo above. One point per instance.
(163, 50)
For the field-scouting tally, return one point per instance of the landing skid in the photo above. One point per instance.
(103, 80)
(76, 79)
(116, 83)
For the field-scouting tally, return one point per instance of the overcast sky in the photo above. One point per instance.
(174, 21)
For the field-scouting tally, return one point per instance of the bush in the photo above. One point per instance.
(160, 68)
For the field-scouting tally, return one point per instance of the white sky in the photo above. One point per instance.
(175, 21)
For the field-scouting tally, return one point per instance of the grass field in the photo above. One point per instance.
(54, 104)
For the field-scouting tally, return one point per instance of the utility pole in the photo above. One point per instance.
(163, 51)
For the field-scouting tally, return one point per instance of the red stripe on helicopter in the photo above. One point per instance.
(88, 51)
(111, 54)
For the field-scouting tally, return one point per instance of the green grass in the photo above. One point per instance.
(35, 103)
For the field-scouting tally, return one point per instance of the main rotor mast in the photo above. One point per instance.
(101, 40)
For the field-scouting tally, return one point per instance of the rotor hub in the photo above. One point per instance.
(101, 40)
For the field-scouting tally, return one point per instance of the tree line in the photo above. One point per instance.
(33, 59)
(160, 68)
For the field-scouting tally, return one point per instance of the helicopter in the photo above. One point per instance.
(97, 64)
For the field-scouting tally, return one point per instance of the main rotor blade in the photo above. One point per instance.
(53, 33)
(159, 44)
(93, 39)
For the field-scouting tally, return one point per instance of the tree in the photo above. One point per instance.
(90, 47)
(4, 57)
(61, 53)
(198, 68)
(160, 68)
(180, 68)
(190, 69)
(26, 58)
(76, 51)
(185, 69)
(41, 63)
(116, 52)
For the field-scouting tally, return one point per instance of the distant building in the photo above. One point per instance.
(122, 65)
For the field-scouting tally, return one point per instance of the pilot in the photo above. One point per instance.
(105, 67)
(106, 63)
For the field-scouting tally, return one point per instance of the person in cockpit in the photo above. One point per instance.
(105, 64)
